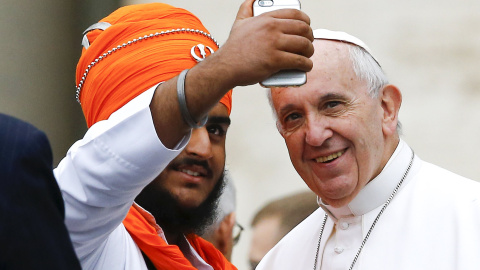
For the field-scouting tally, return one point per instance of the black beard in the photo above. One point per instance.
(173, 217)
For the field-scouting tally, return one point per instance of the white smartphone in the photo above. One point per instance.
(284, 78)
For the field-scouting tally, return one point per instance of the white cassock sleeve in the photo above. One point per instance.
(103, 173)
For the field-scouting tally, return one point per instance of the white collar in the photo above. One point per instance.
(377, 191)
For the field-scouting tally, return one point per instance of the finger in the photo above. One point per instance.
(297, 45)
(295, 27)
(285, 26)
(245, 10)
(288, 60)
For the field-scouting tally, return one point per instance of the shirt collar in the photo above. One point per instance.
(377, 191)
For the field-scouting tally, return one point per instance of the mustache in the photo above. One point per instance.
(175, 164)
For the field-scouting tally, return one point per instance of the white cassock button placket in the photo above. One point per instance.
(342, 244)
(344, 225)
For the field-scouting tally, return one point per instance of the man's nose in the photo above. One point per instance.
(317, 130)
(200, 144)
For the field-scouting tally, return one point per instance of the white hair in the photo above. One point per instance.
(366, 68)
(369, 70)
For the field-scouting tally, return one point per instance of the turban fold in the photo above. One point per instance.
(134, 53)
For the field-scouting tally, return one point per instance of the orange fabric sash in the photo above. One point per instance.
(165, 256)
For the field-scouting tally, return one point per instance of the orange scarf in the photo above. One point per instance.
(165, 256)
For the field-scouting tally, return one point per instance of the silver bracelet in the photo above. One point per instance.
(187, 117)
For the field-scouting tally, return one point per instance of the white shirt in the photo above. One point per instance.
(433, 222)
(100, 178)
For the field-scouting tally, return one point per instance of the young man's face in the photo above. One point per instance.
(332, 126)
(190, 178)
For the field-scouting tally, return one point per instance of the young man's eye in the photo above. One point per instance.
(217, 130)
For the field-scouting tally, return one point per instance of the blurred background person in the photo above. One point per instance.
(225, 231)
(274, 220)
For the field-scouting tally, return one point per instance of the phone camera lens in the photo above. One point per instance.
(265, 3)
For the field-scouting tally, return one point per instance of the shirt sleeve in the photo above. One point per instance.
(103, 173)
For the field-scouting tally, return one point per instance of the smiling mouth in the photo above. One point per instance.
(330, 158)
(189, 172)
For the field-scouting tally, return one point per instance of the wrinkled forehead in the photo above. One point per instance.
(325, 34)
(333, 74)
(342, 37)
(328, 51)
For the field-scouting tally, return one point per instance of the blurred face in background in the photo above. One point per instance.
(265, 235)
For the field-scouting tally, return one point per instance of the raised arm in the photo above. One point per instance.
(256, 48)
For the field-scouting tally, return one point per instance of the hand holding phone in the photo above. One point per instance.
(285, 78)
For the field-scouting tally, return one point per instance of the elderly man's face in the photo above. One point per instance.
(332, 127)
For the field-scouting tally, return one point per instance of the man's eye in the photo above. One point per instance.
(291, 117)
(332, 104)
(291, 121)
(216, 130)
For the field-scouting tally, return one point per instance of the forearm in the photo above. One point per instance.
(203, 90)
(256, 48)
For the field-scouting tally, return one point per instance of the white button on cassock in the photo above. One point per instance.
(344, 225)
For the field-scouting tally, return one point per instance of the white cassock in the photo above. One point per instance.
(433, 222)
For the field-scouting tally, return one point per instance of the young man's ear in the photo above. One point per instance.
(391, 102)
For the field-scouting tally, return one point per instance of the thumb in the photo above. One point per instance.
(246, 10)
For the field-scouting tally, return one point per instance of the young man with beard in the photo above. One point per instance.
(147, 173)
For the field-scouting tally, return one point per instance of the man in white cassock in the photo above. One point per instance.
(381, 206)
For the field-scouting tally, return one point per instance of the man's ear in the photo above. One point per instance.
(391, 102)
(279, 128)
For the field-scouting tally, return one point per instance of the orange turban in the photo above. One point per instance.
(141, 46)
